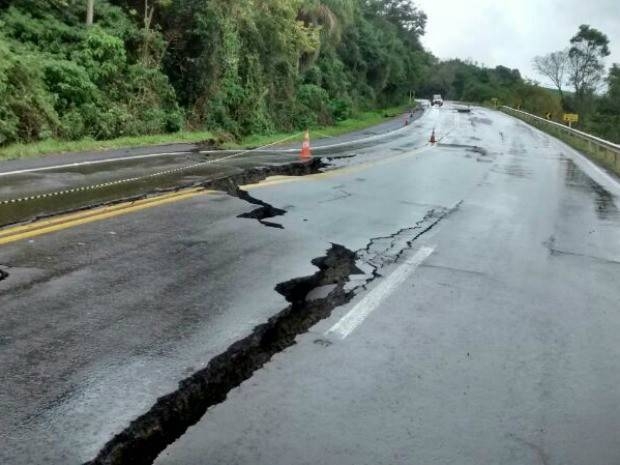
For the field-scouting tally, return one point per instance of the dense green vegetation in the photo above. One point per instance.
(61, 79)
(147, 67)
(237, 68)
(606, 119)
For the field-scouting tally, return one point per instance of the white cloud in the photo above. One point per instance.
(510, 32)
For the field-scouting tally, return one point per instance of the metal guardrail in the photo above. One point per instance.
(603, 149)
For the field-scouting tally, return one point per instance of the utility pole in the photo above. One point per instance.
(90, 12)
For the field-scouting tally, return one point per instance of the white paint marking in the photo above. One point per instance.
(92, 162)
(204, 152)
(356, 316)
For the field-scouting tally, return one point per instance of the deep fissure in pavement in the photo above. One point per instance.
(3, 274)
(147, 436)
(264, 211)
(227, 182)
(172, 414)
(231, 184)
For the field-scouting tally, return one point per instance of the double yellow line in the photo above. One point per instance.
(58, 223)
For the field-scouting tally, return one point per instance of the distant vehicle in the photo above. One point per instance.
(437, 100)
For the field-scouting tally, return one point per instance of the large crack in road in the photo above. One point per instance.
(264, 211)
(311, 299)
(227, 182)
(231, 185)
(169, 418)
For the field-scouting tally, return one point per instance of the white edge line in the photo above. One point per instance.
(356, 316)
(92, 162)
(163, 154)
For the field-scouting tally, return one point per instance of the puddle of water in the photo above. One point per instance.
(477, 119)
(514, 170)
(604, 202)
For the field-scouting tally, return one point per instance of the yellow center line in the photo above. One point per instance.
(39, 228)
(276, 180)
(58, 223)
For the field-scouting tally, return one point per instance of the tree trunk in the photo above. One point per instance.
(90, 12)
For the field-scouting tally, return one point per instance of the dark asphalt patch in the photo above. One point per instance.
(469, 148)
(604, 204)
(174, 413)
(3, 274)
(475, 119)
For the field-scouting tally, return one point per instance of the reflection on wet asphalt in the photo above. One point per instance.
(510, 325)
(52, 191)
(604, 204)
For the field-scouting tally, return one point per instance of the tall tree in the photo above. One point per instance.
(589, 47)
(554, 66)
(613, 81)
(90, 12)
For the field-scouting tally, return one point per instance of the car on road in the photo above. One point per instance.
(437, 100)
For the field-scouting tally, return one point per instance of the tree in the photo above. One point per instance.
(554, 66)
(605, 122)
(589, 47)
(90, 12)
(613, 81)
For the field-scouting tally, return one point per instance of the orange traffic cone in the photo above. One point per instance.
(433, 140)
(306, 154)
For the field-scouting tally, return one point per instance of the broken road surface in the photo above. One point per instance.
(455, 303)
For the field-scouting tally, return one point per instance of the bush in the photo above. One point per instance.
(341, 109)
(60, 79)
(26, 110)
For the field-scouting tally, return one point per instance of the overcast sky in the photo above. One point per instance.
(512, 32)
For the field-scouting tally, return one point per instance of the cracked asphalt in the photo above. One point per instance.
(35, 187)
(499, 347)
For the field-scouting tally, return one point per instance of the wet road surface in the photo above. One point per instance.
(483, 325)
(37, 187)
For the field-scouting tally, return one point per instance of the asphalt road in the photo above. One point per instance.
(483, 327)
(40, 186)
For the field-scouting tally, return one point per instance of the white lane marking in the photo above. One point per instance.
(204, 152)
(92, 162)
(356, 316)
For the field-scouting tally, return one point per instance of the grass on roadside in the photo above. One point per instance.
(361, 121)
(86, 145)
